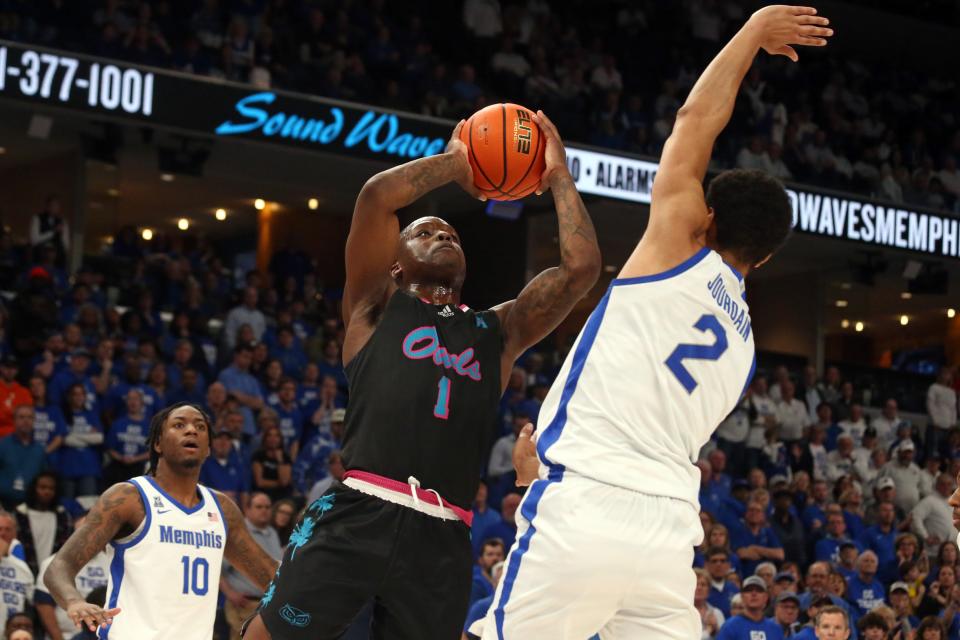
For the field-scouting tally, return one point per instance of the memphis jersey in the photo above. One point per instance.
(660, 362)
(164, 577)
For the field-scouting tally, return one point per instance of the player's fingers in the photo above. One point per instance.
(818, 20)
(803, 11)
(548, 122)
(526, 432)
(456, 129)
(788, 51)
(544, 183)
(811, 42)
(815, 31)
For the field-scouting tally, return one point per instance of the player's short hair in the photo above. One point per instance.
(156, 430)
(829, 610)
(752, 213)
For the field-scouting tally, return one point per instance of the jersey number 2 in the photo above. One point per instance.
(707, 322)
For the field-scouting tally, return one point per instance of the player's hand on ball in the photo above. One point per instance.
(780, 26)
(555, 156)
(84, 613)
(525, 460)
(458, 150)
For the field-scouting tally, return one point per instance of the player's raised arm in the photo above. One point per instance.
(678, 212)
(549, 297)
(118, 512)
(374, 232)
(242, 550)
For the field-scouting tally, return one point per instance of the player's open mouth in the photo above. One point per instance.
(193, 446)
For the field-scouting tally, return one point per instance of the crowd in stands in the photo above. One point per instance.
(870, 127)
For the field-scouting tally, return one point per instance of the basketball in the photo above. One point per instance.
(505, 147)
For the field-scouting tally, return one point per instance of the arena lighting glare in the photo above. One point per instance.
(147, 234)
(167, 177)
(221, 214)
(858, 327)
(906, 295)
(841, 303)
(610, 268)
(3, 150)
(951, 313)
(259, 204)
(183, 224)
(904, 320)
(844, 324)
(313, 203)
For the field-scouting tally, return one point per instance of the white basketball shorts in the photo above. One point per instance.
(594, 559)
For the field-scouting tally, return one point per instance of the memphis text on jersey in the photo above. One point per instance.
(197, 539)
(737, 313)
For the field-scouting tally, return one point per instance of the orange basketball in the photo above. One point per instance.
(505, 147)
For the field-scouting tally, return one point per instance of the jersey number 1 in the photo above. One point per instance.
(442, 408)
(707, 322)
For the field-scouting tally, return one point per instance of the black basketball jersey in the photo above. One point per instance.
(424, 396)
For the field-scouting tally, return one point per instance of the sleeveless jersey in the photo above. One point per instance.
(424, 394)
(659, 363)
(165, 576)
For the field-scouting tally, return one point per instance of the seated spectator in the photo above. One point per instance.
(754, 541)
(126, 441)
(80, 459)
(272, 466)
(932, 518)
(478, 610)
(157, 382)
(48, 426)
(828, 548)
(722, 589)
(292, 357)
(190, 389)
(284, 519)
(940, 594)
(818, 576)
(840, 462)
(43, 524)
(321, 487)
(506, 529)
(289, 416)
(246, 313)
(237, 380)
(21, 459)
(754, 156)
(906, 476)
(851, 502)
(116, 400)
(90, 578)
(224, 470)
(711, 617)
(901, 605)
(76, 373)
(12, 394)
(865, 592)
(17, 584)
(873, 626)
(492, 552)
(854, 425)
(751, 623)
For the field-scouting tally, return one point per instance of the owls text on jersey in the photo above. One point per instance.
(164, 576)
(659, 363)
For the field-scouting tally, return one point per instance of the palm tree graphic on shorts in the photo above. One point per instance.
(304, 531)
(268, 596)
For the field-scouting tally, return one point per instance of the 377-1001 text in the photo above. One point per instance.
(54, 77)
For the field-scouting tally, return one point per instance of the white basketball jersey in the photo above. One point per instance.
(165, 576)
(660, 362)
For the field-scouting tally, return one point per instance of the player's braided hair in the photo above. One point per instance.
(156, 430)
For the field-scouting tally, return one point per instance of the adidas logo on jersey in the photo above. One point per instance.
(446, 312)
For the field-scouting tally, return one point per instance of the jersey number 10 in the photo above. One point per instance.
(196, 576)
(707, 323)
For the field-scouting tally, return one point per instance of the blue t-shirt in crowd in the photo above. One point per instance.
(63, 381)
(308, 397)
(721, 598)
(743, 537)
(478, 611)
(175, 379)
(711, 500)
(291, 424)
(864, 596)
(293, 360)
(236, 380)
(312, 463)
(128, 437)
(503, 530)
(228, 475)
(47, 424)
(741, 628)
(77, 462)
(811, 513)
(880, 543)
(117, 398)
(828, 549)
(481, 587)
(855, 525)
(19, 464)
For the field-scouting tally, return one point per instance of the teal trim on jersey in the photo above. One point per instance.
(166, 495)
(687, 264)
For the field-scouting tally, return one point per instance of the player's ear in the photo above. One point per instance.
(396, 272)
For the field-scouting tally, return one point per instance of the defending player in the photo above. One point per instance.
(167, 536)
(606, 534)
(426, 374)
